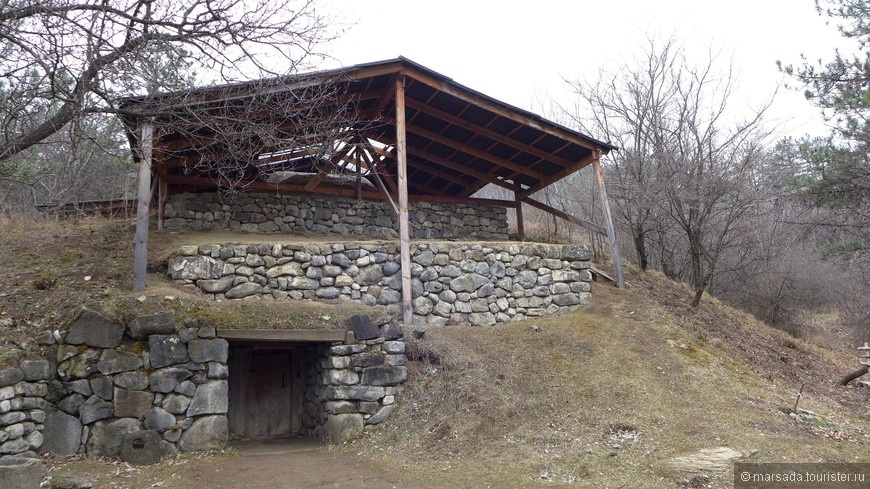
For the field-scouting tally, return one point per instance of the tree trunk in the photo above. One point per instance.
(696, 300)
(640, 248)
(854, 375)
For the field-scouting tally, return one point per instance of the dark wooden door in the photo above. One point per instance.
(266, 392)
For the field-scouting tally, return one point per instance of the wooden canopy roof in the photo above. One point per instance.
(458, 140)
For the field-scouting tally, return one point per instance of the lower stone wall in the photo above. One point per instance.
(262, 212)
(150, 375)
(165, 384)
(23, 407)
(362, 378)
(480, 284)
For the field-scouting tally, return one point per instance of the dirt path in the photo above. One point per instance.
(296, 464)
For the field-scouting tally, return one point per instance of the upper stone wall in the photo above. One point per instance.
(480, 284)
(262, 212)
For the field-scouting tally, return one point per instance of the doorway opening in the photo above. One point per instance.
(273, 389)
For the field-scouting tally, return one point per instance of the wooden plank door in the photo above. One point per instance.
(269, 395)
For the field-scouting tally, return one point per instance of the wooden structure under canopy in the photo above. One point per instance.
(391, 130)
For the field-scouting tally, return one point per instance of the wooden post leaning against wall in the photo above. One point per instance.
(404, 225)
(140, 244)
(611, 231)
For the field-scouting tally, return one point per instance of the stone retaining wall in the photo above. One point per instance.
(479, 284)
(23, 407)
(359, 381)
(154, 379)
(262, 212)
(150, 375)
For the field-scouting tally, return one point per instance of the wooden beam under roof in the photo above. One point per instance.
(564, 215)
(459, 146)
(460, 168)
(482, 102)
(488, 133)
(203, 181)
(562, 174)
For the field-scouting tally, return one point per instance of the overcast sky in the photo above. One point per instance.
(520, 51)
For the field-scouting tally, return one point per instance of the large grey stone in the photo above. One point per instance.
(166, 350)
(136, 381)
(80, 366)
(425, 258)
(575, 252)
(341, 428)
(104, 439)
(468, 282)
(216, 286)
(144, 326)
(363, 327)
(62, 432)
(384, 375)
(568, 299)
(382, 414)
(36, 370)
(353, 392)
(167, 379)
(114, 361)
(102, 387)
(94, 329)
(370, 275)
(70, 404)
(204, 351)
(206, 433)
(94, 409)
(159, 419)
(9, 376)
(422, 306)
(526, 278)
(340, 407)
(132, 404)
(244, 290)
(195, 268)
(20, 472)
(292, 268)
(390, 268)
(140, 447)
(14, 447)
(176, 403)
(210, 398)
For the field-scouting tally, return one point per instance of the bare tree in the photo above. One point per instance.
(64, 59)
(686, 161)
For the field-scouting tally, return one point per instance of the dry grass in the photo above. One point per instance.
(605, 397)
(53, 267)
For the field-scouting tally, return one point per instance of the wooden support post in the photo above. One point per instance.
(162, 190)
(521, 231)
(358, 163)
(140, 245)
(404, 225)
(611, 231)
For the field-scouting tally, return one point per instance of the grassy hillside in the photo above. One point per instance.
(608, 396)
(611, 395)
(51, 268)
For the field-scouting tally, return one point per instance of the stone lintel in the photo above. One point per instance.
(289, 335)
